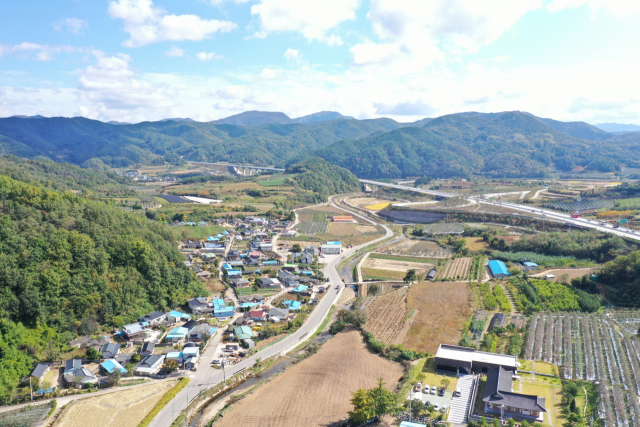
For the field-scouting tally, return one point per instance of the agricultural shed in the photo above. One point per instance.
(176, 316)
(300, 288)
(530, 266)
(498, 321)
(342, 218)
(456, 358)
(498, 269)
(176, 334)
(292, 305)
(41, 370)
(432, 274)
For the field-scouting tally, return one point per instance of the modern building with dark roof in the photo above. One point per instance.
(111, 350)
(154, 318)
(468, 360)
(499, 398)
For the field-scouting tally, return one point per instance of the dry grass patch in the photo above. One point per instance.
(413, 247)
(571, 273)
(476, 244)
(315, 392)
(443, 309)
(377, 274)
(119, 409)
(378, 206)
(553, 395)
(397, 265)
(387, 316)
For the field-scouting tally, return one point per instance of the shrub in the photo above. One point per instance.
(169, 395)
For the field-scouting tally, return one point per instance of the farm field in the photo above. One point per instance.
(443, 308)
(377, 274)
(318, 213)
(443, 228)
(313, 227)
(398, 265)
(273, 182)
(457, 268)
(476, 244)
(387, 316)
(365, 201)
(121, 409)
(377, 206)
(571, 272)
(316, 391)
(352, 229)
(417, 248)
(592, 347)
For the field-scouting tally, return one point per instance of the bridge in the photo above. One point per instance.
(242, 170)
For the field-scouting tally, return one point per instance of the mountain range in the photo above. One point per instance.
(495, 144)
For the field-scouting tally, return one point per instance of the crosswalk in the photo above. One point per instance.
(460, 405)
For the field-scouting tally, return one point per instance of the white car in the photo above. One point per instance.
(436, 407)
(426, 389)
(434, 390)
(443, 409)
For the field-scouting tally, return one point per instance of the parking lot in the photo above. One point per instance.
(433, 398)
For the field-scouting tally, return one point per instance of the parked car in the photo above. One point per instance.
(458, 391)
(427, 404)
(436, 407)
(441, 392)
(426, 389)
(418, 387)
(443, 409)
(434, 390)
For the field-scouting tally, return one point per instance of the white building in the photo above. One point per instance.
(151, 365)
(331, 248)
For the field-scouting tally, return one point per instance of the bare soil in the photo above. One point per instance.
(443, 307)
(413, 247)
(395, 265)
(315, 392)
(350, 229)
(388, 318)
(571, 272)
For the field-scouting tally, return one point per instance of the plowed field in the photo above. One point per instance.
(443, 307)
(457, 268)
(388, 318)
(315, 392)
(120, 409)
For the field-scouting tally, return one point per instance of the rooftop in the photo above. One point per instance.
(498, 267)
(465, 354)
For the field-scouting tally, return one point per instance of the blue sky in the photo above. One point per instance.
(136, 60)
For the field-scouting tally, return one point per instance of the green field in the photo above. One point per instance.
(275, 182)
(403, 258)
(313, 227)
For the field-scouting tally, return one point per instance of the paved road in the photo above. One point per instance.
(206, 376)
(549, 214)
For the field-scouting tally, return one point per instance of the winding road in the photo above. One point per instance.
(206, 376)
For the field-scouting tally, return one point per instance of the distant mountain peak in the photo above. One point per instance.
(186, 119)
(322, 116)
(255, 118)
(618, 127)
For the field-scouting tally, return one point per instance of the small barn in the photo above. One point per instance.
(498, 321)
(498, 269)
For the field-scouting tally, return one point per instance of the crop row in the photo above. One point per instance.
(590, 347)
(490, 302)
(501, 298)
(313, 227)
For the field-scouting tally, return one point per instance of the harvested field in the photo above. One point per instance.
(457, 268)
(351, 229)
(571, 272)
(377, 206)
(121, 409)
(365, 201)
(315, 392)
(443, 308)
(395, 265)
(377, 274)
(476, 244)
(417, 248)
(387, 316)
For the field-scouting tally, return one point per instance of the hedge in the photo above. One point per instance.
(182, 383)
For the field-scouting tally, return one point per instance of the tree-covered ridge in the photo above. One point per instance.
(321, 177)
(71, 264)
(65, 176)
(79, 140)
(622, 280)
(509, 144)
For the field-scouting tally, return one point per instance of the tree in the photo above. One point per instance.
(130, 367)
(170, 366)
(362, 406)
(445, 383)
(135, 358)
(511, 422)
(93, 354)
(114, 377)
(564, 279)
(495, 422)
(411, 276)
(525, 424)
(52, 353)
(296, 248)
(383, 400)
(373, 290)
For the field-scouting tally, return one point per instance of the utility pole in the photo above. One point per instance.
(31, 388)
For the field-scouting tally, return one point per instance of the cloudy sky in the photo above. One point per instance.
(136, 60)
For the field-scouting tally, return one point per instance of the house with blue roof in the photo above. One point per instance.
(220, 309)
(176, 316)
(530, 266)
(176, 334)
(300, 288)
(498, 269)
(110, 365)
(292, 305)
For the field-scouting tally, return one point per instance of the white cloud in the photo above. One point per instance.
(292, 54)
(310, 18)
(70, 25)
(40, 52)
(148, 24)
(208, 56)
(269, 73)
(174, 51)
(615, 7)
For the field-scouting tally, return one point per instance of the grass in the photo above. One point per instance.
(184, 232)
(403, 258)
(182, 383)
(476, 244)
(374, 273)
(272, 182)
(479, 402)
(553, 395)
(432, 378)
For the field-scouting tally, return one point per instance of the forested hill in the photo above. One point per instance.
(65, 176)
(510, 144)
(79, 140)
(68, 265)
(320, 177)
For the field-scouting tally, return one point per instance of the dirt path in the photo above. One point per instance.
(510, 298)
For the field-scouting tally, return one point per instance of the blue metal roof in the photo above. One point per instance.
(530, 264)
(498, 267)
(410, 424)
